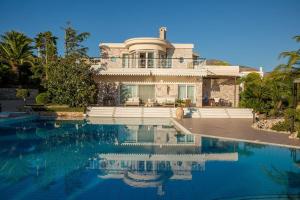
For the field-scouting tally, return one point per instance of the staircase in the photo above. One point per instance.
(213, 113)
(239, 113)
(162, 112)
(158, 112)
(101, 111)
(128, 112)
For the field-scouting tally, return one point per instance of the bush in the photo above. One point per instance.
(22, 94)
(42, 98)
(281, 126)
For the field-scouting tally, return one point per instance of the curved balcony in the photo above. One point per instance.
(134, 44)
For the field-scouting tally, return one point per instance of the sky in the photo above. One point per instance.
(242, 32)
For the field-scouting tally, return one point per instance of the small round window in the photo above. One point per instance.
(113, 59)
(181, 59)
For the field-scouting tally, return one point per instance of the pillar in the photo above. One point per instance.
(199, 91)
(236, 93)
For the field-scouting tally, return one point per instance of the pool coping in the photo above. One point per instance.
(186, 131)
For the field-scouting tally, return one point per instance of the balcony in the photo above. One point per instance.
(167, 63)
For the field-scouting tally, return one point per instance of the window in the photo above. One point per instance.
(125, 61)
(191, 93)
(146, 60)
(162, 59)
(150, 60)
(113, 59)
(186, 92)
(182, 92)
(132, 59)
(169, 61)
(130, 90)
(181, 59)
(142, 60)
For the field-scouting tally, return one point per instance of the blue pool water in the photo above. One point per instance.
(47, 159)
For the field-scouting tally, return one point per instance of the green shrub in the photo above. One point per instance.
(297, 128)
(42, 98)
(64, 109)
(281, 126)
(22, 94)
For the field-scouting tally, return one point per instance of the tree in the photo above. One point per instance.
(46, 45)
(293, 56)
(71, 82)
(272, 94)
(6, 75)
(73, 41)
(279, 87)
(255, 94)
(16, 51)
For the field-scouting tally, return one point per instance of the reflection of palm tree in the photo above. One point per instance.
(289, 179)
(294, 157)
(14, 169)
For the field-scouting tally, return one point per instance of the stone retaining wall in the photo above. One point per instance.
(10, 93)
(62, 114)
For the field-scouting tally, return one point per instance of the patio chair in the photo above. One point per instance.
(150, 103)
(169, 101)
(217, 101)
(133, 101)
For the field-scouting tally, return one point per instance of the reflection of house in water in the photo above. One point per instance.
(148, 156)
(161, 135)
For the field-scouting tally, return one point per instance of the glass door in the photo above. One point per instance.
(182, 92)
(146, 92)
(191, 93)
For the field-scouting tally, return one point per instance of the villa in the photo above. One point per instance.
(152, 71)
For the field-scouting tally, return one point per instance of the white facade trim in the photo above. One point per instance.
(152, 71)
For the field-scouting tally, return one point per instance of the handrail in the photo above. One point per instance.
(162, 62)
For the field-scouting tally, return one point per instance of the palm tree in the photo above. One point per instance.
(16, 51)
(293, 56)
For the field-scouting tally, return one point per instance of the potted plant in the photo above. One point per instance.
(179, 109)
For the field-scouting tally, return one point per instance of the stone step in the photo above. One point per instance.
(168, 112)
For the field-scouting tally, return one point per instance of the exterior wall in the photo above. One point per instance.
(224, 88)
(184, 53)
(112, 52)
(161, 90)
(9, 101)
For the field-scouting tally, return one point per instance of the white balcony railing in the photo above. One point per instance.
(152, 63)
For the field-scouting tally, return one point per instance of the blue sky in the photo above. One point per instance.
(245, 32)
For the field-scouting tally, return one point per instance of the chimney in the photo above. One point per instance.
(163, 33)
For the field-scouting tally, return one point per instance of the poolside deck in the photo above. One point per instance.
(237, 129)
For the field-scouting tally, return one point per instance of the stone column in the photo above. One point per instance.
(199, 92)
(118, 94)
(237, 94)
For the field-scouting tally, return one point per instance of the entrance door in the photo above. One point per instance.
(146, 92)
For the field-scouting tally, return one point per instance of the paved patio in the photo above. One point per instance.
(236, 129)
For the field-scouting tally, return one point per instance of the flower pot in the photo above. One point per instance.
(179, 113)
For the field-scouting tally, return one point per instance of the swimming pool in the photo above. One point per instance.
(48, 159)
